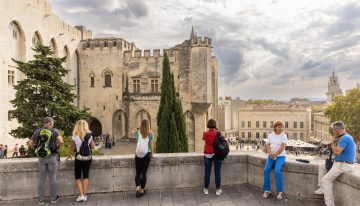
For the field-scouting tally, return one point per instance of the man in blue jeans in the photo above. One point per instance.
(48, 163)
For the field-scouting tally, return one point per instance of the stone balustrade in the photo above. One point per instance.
(19, 177)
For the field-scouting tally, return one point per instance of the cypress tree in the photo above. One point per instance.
(171, 124)
(44, 93)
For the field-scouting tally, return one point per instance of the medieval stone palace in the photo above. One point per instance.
(117, 81)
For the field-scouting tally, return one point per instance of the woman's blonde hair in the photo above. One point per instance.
(81, 129)
(278, 123)
(145, 128)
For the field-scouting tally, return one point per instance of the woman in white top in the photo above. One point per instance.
(81, 133)
(275, 147)
(143, 154)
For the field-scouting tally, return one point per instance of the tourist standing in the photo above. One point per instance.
(143, 154)
(5, 151)
(209, 137)
(1, 151)
(344, 149)
(82, 142)
(46, 142)
(275, 147)
(16, 151)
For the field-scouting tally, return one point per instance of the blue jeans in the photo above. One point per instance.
(279, 162)
(217, 170)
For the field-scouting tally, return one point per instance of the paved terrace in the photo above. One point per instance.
(243, 194)
(175, 179)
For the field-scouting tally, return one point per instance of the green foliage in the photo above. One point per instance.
(170, 119)
(64, 150)
(347, 109)
(44, 93)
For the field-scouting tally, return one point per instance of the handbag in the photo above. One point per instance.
(329, 161)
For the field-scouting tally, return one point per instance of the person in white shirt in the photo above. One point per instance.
(81, 133)
(275, 147)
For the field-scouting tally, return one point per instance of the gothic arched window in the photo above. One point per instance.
(107, 75)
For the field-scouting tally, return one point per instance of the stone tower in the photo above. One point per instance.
(333, 88)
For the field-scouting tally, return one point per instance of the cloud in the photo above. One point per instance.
(261, 46)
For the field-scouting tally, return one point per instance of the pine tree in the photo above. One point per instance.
(44, 93)
(171, 124)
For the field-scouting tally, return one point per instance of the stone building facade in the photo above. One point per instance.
(23, 24)
(256, 121)
(321, 128)
(119, 83)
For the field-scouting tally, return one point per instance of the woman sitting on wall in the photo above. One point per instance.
(275, 147)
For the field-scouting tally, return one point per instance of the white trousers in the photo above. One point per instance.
(326, 179)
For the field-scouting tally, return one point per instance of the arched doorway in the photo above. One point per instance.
(95, 127)
(16, 50)
(190, 130)
(142, 114)
(120, 124)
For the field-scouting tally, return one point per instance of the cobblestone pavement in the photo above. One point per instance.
(243, 194)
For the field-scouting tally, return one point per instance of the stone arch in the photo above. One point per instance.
(67, 64)
(54, 47)
(95, 127)
(140, 115)
(190, 130)
(120, 124)
(36, 39)
(75, 74)
(18, 43)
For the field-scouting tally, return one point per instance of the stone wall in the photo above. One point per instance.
(116, 173)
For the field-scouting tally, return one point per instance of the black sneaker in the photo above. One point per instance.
(55, 200)
(143, 193)
(138, 194)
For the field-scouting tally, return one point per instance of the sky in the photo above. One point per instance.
(268, 49)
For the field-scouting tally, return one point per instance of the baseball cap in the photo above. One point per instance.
(48, 119)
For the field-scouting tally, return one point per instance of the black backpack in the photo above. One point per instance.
(221, 147)
(85, 151)
(44, 143)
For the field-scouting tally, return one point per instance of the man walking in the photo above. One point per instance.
(16, 151)
(46, 142)
(343, 147)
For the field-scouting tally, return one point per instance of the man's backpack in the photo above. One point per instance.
(221, 147)
(44, 141)
(84, 153)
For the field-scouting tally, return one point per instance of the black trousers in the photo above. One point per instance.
(82, 167)
(142, 165)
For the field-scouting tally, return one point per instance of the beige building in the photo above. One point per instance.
(321, 128)
(228, 115)
(23, 24)
(256, 121)
(117, 81)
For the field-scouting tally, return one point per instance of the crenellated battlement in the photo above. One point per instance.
(150, 53)
(118, 43)
(201, 41)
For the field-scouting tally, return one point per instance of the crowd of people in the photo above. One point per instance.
(17, 151)
(342, 146)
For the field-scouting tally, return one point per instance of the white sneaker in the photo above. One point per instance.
(280, 196)
(218, 192)
(266, 194)
(319, 191)
(85, 196)
(80, 199)
(206, 191)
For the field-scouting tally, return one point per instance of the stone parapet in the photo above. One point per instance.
(169, 171)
